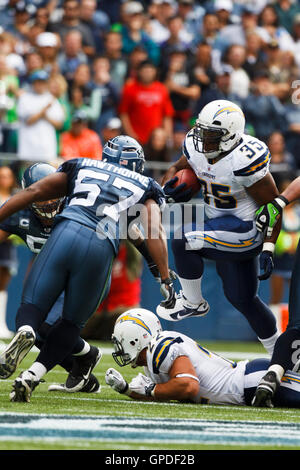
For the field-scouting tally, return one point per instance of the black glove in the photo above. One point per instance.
(176, 194)
(168, 292)
(156, 274)
(266, 265)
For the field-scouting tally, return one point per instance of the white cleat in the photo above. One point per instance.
(182, 309)
(23, 387)
(15, 352)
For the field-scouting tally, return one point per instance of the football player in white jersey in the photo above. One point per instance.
(233, 169)
(178, 368)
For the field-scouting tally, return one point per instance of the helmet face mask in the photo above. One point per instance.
(133, 332)
(125, 151)
(46, 211)
(219, 128)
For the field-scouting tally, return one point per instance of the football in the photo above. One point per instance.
(189, 177)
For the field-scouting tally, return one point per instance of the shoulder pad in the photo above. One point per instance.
(251, 156)
(161, 350)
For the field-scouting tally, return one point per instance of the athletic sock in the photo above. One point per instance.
(269, 343)
(191, 289)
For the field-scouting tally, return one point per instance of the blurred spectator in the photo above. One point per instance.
(160, 11)
(202, 66)
(58, 88)
(40, 114)
(84, 95)
(209, 31)
(124, 293)
(80, 141)
(48, 45)
(239, 79)
(262, 109)
(8, 253)
(71, 54)
(42, 17)
(286, 11)
(33, 61)
(223, 10)
(135, 58)
(21, 26)
(182, 85)
(96, 20)
(282, 161)
(133, 33)
(285, 249)
(112, 129)
(293, 124)
(255, 57)
(296, 37)
(269, 21)
(9, 92)
(220, 89)
(8, 46)
(179, 134)
(145, 105)
(118, 61)
(174, 41)
(191, 14)
(108, 91)
(157, 150)
(70, 22)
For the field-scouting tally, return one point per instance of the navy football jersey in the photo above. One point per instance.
(28, 227)
(100, 193)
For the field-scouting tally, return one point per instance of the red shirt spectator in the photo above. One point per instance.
(80, 141)
(145, 105)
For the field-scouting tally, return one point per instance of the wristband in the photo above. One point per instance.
(268, 246)
(149, 391)
(282, 201)
(126, 390)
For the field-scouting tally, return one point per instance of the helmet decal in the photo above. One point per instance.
(228, 110)
(135, 320)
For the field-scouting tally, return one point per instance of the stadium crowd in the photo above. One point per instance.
(75, 73)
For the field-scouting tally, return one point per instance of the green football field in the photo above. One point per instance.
(109, 421)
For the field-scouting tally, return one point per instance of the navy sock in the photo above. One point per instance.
(287, 352)
(29, 314)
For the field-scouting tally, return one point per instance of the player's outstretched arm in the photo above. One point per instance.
(51, 187)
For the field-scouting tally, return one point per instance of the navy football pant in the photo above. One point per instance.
(239, 277)
(73, 260)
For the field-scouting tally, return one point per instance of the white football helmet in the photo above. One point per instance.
(219, 128)
(132, 333)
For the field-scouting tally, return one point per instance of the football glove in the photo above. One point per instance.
(116, 381)
(176, 194)
(268, 215)
(142, 385)
(155, 272)
(266, 262)
(168, 292)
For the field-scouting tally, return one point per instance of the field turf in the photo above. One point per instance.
(109, 421)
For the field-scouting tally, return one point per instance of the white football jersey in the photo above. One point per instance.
(224, 183)
(221, 381)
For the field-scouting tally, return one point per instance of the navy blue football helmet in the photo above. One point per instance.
(125, 151)
(47, 210)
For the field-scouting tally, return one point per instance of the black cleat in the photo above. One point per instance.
(23, 387)
(15, 352)
(82, 369)
(265, 391)
(91, 386)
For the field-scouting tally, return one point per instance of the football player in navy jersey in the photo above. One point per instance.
(233, 169)
(78, 256)
(33, 225)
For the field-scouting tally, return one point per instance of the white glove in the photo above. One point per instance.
(142, 385)
(115, 380)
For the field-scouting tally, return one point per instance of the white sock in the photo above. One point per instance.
(191, 289)
(86, 348)
(279, 371)
(38, 369)
(3, 305)
(269, 343)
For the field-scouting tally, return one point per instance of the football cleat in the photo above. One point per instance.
(82, 369)
(15, 352)
(265, 391)
(23, 387)
(182, 309)
(91, 386)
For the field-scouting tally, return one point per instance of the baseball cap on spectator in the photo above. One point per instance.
(47, 40)
(79, 116)
(223, 5)
(133, 8)
(38, 75)
(114, 123)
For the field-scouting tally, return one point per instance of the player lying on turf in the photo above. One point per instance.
(233, 169)
(286, 352)
(178, 368)
(78, 256)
